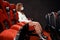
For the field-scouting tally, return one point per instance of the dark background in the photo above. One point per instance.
(37, 9)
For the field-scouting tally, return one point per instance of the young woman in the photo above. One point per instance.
(23, 18)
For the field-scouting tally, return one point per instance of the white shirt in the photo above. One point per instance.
(22, 17)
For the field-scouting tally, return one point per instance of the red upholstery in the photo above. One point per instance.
(0, 1)
(47, 34)
(11, 15)
(9, 34)
(11, 11)
(6, 4)
(4, 19)
(12, 6)
(2, 26)
(16, 27)
(15, 15)
(13, 18)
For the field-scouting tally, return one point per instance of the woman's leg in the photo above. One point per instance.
(37, 27)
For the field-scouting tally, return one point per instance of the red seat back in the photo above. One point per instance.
(4, 20)
(9, 11)
(16, 27)
(2, 17)
(13, 12)
(6, 8)
(9, 34)
(4, 5)
(0, 1)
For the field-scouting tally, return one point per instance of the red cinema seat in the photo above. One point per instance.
(16, 27)
(2, 26)
(5, 6)
(10, 11)
(9, 34)
(14, 13)
(6, 9)
(4, 21)
(11, 16)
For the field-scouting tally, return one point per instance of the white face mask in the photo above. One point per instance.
(22, 8)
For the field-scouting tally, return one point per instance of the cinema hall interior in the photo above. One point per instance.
(29, 19)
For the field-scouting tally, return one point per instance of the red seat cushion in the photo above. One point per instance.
(9, 34)
(16, 27)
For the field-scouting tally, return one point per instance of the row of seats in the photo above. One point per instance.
(53, 24)
(11, 29)
(8, 17)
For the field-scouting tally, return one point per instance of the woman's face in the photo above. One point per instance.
(20, 7)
